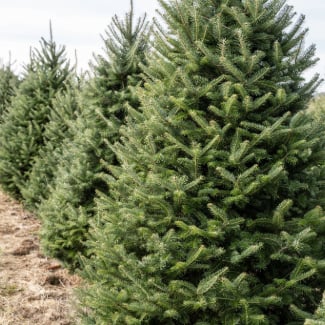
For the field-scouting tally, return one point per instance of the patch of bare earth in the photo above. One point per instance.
(33, 289)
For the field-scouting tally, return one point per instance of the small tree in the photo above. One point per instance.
(317, 107)
(215, 215)
(58, 133)
(21, 133)
(8, 83)
(70, 205)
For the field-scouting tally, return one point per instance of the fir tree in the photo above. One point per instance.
(67, 211)
(215, 215)
(58, 133)
(8, 83)
(21, 133)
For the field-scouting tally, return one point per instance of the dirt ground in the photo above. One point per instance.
(33, 289)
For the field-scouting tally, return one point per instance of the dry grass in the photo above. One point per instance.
(34, 290)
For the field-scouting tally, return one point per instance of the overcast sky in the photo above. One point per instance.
(78, 24)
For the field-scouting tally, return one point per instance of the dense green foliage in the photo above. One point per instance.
(22, 129)
(8, 84)
(66, 212)
(185, 180)
(319, 317)
(58, 133)
(215, 215)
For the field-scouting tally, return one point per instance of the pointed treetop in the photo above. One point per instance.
(51, 31)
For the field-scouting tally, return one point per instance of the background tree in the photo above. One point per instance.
(66, 213)
(317, 107)
(58, 133)
(8, 83)
(215, 215)
(21, 133)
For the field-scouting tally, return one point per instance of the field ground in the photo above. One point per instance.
(34, 290)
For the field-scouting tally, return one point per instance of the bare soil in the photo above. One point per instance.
(34, 290)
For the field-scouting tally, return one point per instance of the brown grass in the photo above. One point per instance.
(34, 290)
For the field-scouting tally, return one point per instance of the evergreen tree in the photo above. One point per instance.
(8, 84)
(215, 215)
(21, 133)
(58, 133)
(67, 211)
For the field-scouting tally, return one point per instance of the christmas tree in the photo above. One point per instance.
(70, 205)
(21, 133)
(215, 215)
(58, 133)
(8, 84)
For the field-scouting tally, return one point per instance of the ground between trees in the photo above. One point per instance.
(33, 288)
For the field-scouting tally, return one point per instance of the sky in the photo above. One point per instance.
(78, 24)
